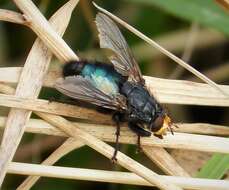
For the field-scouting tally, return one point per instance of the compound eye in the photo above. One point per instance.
(157, 124)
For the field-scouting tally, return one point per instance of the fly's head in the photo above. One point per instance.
(161, 122)
(152, 117)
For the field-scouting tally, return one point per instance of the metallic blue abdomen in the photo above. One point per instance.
(103, 76)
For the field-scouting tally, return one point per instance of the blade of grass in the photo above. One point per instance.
(165, 161)
(11, 16)
(205, 12)
(107, 133)
(112, 176)
(38, 23)
(215, 168)
(166, 91)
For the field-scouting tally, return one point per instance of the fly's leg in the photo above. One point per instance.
(140, 133)
(117, 119)
(139, 149)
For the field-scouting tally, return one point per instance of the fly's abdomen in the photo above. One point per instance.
(102, 76)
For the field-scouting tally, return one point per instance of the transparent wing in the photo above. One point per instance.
(111, 38)
(82, 89)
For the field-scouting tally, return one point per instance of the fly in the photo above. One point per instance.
(118, 86)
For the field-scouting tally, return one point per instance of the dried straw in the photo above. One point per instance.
(113, 177)
(107, 133)
(166, 91)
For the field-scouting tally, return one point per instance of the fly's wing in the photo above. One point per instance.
(80, 88)
(111, 38)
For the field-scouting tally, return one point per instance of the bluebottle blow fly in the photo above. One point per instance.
(118, 86)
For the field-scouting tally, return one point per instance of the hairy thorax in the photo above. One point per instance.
(142, 106)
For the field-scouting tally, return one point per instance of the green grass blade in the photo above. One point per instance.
(215, 168)
(205, 12)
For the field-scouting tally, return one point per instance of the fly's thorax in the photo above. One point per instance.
(127, 88)
(142, 107)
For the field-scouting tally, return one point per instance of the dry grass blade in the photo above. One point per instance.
(167, 91)
(41, 27)
(11, 16)
(203, 128)
(157, 46)
(165, 161)
(42, 127)
(224, 4)
(160, 156)
(113, 177)
(53, 108)
(186, 92)
(69, 145)
(67, 110)
(29, 86)
(10, 74)
(107, 133)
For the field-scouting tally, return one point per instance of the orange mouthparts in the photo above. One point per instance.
(167, 124)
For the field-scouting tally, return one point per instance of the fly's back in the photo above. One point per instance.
(142, 105)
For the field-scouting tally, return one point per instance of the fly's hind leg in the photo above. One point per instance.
(139, 148)
(140, 133)
(117, 117)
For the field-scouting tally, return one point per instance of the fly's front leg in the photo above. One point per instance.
(117, 118)
(140, 133)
